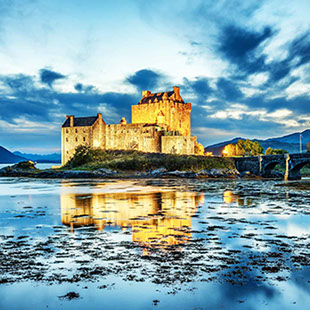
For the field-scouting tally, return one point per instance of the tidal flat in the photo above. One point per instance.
(154, 244)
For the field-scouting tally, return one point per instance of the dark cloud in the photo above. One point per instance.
(18, 83)
(200, 86)
(145, 79)
(83, 88)
(228, 89)
(240, 47)
(298, 55)
(300, 49)
(49, 77)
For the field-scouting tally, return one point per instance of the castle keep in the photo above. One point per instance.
(160, 123)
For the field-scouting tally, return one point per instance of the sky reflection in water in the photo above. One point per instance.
(154, 244)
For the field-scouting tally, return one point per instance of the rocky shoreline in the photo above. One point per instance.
(29, 170)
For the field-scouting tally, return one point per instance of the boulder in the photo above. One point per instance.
(24, 165)
(158, 171)
(105, 171)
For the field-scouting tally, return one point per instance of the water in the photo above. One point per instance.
(39, 165)
(154, 244)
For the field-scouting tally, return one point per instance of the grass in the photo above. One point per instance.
(90, 159)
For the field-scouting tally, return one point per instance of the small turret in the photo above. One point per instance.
(145, 93)
(123, 121)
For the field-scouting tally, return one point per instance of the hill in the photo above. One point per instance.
(48, 158)
(7, 157)
(289, 143)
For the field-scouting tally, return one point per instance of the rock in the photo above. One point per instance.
(176, 173)
(70, 296)
(181, 174)
(218, 172)
(245, 173)
(158, 171)
(205, 172)
(105, 171)
(28, 164)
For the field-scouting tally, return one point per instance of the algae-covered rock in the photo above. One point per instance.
(25, 165)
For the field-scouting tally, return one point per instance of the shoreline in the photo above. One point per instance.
(28, 170)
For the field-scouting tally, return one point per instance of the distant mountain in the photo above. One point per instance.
(7, 157)
(48, 158)
(294, 137)
(289, 143)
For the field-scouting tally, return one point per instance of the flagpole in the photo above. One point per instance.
(300, 146)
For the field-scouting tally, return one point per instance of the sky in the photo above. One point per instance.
(244, 65)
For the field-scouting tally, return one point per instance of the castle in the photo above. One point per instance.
(160, 123)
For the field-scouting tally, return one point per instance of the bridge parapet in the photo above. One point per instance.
(263, 165)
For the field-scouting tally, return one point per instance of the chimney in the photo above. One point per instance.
(67, 116)
(145, 93)
(99, 115)
(176, 90)
(71, 120)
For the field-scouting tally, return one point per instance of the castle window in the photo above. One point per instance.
(66, 130)
(67, 139)
(67, 152)
(75, 139)
(127, 130)
(84, 139)
(75, 130)
(84, 130)
(115, 130)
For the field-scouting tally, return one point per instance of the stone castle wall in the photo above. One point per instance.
(71, 137)
(178, 145)
(133, 137)
(177, 115)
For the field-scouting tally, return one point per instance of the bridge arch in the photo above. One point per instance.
(270, 166)
(295, 170)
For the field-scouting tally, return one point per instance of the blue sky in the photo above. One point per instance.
(244, 65)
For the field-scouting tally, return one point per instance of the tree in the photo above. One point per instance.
(199, 149)
(242, 148)
(271, 151)
(230, 150)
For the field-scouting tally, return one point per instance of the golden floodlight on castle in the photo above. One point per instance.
(161, 123)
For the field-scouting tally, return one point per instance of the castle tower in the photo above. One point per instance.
(176, 113)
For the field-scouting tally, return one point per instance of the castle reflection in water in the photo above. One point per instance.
(155, 217)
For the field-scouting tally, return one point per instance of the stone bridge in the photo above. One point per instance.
(263, 165)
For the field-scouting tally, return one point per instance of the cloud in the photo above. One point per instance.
(228, 89)
(145, 79)
(49, 77)
(200, 86)
(240, 47)
(83, 88)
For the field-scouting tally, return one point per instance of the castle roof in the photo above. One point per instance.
(155, 97)
(81, 121)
